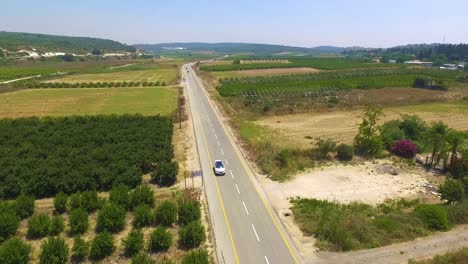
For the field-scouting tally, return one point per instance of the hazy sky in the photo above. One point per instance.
(370, 23)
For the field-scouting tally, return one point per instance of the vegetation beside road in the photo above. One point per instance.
(457, 257)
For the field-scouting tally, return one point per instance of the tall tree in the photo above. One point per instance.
(367, 142)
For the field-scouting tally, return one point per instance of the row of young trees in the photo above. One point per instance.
(45, 156)
(91, 84)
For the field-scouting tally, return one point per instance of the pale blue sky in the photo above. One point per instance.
(296, 22)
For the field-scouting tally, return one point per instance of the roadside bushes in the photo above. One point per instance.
(344, 152)
(39, 226)
(57, 225)
(189, 211)
(166, 173)
(80, 249)
(54, 251)
(9, 222)
(142, 258)
(428, 83)
(452, 190)
(434, 216)
(15, 251)
(102, 246)
(24, 205)
(160, 240)
(78, 221)
(166, 213)
(111, 218)
(120, 195)
(60, 203)
(192, 234)
(133, 243)
(405, 149)
(142, 194)
(196, 257)
(143, 216)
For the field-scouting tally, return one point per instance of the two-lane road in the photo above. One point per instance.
(245, 227)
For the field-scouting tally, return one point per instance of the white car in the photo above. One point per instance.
(219, 168)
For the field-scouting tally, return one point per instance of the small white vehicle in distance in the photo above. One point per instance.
(219, 168)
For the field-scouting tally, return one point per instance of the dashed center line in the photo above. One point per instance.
(266, 259)
(255, 231)
(216, 136)
(232, 175)
(245, 207)
(222, 151)
(237, 187)
(228, 164)
(219, 144)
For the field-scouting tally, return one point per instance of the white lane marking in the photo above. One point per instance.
(222, 151)
(227, 163)
(232, 175)
(266, 259)
(245, 207)
(238, 191)
(255, 231)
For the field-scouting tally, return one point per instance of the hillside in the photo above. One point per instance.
(237, 48)
(14, 41)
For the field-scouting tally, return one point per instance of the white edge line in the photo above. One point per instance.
(245, 207)
(238, 191)
(227, 163)
(266, 259)
(255, 231)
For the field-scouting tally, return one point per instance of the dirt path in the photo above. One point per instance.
(20, 79)
(418, 249)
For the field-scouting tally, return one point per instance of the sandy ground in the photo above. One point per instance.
(342, 126)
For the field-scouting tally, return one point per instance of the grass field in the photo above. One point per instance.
(167, 75)
(88, 101)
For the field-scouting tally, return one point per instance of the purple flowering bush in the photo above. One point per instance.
(404, 148)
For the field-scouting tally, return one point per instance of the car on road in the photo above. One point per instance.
(219, 168)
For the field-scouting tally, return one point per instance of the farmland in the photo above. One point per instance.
(88, 101)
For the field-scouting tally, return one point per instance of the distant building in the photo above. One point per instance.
(419, 63)
(461, 66)
(391, 61)
(449, 66)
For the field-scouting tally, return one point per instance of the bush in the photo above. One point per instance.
(78, 221)
(142, 194)
(80, 249)
(458, 213)
(9, 223)
(39, 226)
(142, 258)
(102, 246)
(390, 132)
(133, 243)
(196, 257)
(57, 225)
(189, 211)
(15, 251)
(74, 201)
(120, 195)
(325, 147)
(160, 240)
(405, 149)
(192, 234)
(344, 152)
(111, 218)
(452, 191)
(166, 173)
(434, 216)
(60, 203)
(24, 205)
(143, 216)
(89, 201)
(54, 251)
(166, 214)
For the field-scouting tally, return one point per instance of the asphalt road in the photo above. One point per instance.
(245, 227)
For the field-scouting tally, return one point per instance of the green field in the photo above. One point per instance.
(88, 101)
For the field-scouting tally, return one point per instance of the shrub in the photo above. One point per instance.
(102, 246)
(142, 194)
(24, 205)
(344, 152)
(89, 201)
(192, 234)
(160, 240)
(15, 251)
(9, 223)
(166, 173)
(78, 221)
(458, 213)
(57, 225)
(133, 243)
(80, 249)
(452, 191)
(163, 83)
(196, 257)
(111, 218)
(142, 258)
(324, 147)
(60, 203)
(74, 201)
(166, 213)
(142, 216)
(434, 216)
(54, 251)
(367, 142)
(189, 211)
(120, 195)
(405, 149)
(390, 132)
(39, 226)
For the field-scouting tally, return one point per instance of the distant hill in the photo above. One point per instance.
(237, 48)
(14, 41)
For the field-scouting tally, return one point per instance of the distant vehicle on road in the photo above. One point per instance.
(219, 168)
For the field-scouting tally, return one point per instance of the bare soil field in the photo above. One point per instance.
(342, 125)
